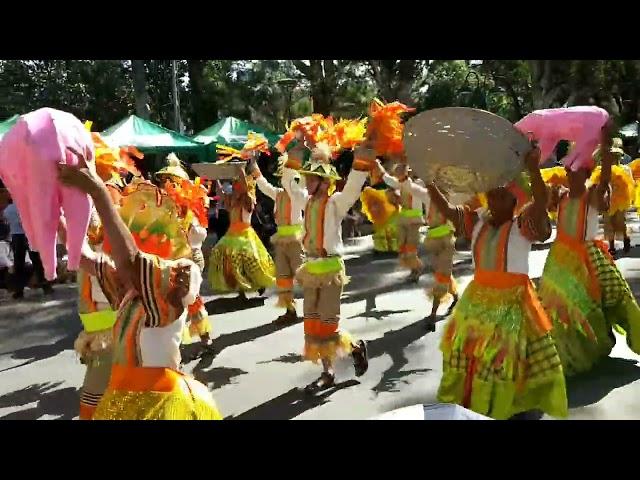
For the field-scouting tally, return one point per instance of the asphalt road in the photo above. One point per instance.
(256, 369)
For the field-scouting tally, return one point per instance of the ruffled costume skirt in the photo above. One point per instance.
(385, 236)
(240, 262)
(587, 297)
(323, 280)
(142, 393)
(499, 357)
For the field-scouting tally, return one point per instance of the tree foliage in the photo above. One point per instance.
(272, 92)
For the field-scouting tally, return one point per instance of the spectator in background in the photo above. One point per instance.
(6, 262)
(20, 247)
(263, 224)
(350, 225)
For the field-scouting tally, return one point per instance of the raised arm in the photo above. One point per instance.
(600, 195)
(451, 212)
(263, 184)
(420, 192)
(295, 159)
(538, 226)
(390, 180)
(364, 160)
(125, 252)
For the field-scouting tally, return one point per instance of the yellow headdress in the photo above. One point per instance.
(320, 163)
(112, 163)
(174, 168)
(153, 219)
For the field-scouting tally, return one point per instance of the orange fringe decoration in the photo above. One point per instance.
(190, 197)
(635, 169)
(112, 162)
(255, 143)
(385, 122)
(315, 129)
(349, 133)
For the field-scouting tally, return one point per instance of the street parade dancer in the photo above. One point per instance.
(322, 275)
(621, 200)
(193, 203)
(499, 358)
(440, 245)
(287, 241)
(412, 196)
(239, 262)
(381, 206)
(581, 287)
(439, 242)
(94, 343)
(148, 276)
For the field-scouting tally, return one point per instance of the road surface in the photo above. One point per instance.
(256, 369)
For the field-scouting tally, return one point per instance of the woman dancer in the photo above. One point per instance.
(499, 358)
(581, 288)
(239, 262)
(151, 296)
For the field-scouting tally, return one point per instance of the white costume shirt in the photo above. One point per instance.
(337, 207)
(518, 246)
(296, 195)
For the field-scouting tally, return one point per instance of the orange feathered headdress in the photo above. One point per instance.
(386, 123)
(112, 163)
(314, 129)
(255, 143)
(192, 198)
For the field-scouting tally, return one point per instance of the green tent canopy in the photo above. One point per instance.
(6, 125)
(232, 132)
(152, 138)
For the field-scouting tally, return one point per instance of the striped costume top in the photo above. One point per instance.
(577, 219)
(504, 248)
(148, 329)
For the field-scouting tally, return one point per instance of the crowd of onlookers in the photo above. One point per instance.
(19, 265)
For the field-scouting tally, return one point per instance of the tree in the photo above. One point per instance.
(398, 79)
(322, 76)
(140, 88)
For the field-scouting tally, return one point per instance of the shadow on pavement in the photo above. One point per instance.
(367, 288)
(593, 386)
(291, 404)
(222, 305)
(393, 344)
(371, 312)
(237, 338)
(40, 352)
(62, 403)
(218, 376)
(294, 402)
(288, 358)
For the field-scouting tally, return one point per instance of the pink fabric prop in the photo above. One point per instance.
(581, 125)
(29, 154)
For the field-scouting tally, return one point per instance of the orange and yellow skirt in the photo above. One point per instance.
(144, 393)
(499, 357)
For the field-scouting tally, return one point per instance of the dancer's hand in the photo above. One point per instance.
(606, 134)
(365, 151)
(532, 159)
(81, 179)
